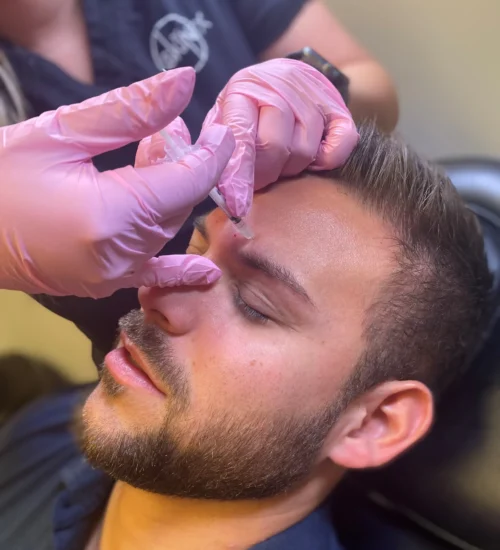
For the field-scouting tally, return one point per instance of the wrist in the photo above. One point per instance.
(335, 76)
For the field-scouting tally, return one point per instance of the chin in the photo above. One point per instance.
(99, 413)
(125, 412)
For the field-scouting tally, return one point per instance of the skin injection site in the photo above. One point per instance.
(249, 275)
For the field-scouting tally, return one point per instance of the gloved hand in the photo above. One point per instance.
(286, 117)
(66, 229)
(154, 150)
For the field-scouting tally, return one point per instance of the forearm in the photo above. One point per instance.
(372, 94)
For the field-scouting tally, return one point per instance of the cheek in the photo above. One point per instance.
(257, 368)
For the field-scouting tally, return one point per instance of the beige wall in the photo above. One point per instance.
(27, 328)
(445, 58)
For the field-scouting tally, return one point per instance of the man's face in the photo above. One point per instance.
(249, 372)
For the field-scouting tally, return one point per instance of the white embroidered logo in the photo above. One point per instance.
(174, 37)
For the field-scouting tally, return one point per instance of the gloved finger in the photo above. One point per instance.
(178, 129)
(166, 189)
(149, 152)
(241, 114)
(176, 139)
(121, 116)
(341, 136)
(152, 149)
(177, 270)
(306, 142)
(274, 142)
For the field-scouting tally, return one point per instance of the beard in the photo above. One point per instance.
(223, 456)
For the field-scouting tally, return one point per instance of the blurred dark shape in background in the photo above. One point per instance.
(24, 379)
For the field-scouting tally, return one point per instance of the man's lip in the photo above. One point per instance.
(139, 359)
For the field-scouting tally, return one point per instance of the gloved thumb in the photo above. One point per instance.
(177, 270)
(121, 116)
(151, 149)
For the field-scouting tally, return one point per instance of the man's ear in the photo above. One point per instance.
(381, 424)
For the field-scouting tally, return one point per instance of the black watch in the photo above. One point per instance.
(336, 77)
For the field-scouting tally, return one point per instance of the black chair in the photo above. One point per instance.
(445, 493)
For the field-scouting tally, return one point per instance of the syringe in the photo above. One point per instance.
(176, 149)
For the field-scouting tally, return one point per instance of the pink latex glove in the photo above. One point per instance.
(152, 150)
(66, 229)
(286, 117)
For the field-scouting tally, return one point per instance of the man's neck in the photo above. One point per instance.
(54, 29)
(138, 519)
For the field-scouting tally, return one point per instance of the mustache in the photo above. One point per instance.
(154, 345)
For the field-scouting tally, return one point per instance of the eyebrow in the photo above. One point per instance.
(265, 265)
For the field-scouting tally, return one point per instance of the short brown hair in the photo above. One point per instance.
(431, 313)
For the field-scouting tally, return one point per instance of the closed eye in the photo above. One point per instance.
(247, 311)
(198, 244)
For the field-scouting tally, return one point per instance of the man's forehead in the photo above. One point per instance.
(318, 231)
(316, 217)
(305, 208)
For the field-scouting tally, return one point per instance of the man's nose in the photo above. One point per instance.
(176, 310)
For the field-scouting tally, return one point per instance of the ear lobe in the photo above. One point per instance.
(382, 424)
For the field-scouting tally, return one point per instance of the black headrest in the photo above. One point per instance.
(450, 483)
(478, 182)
